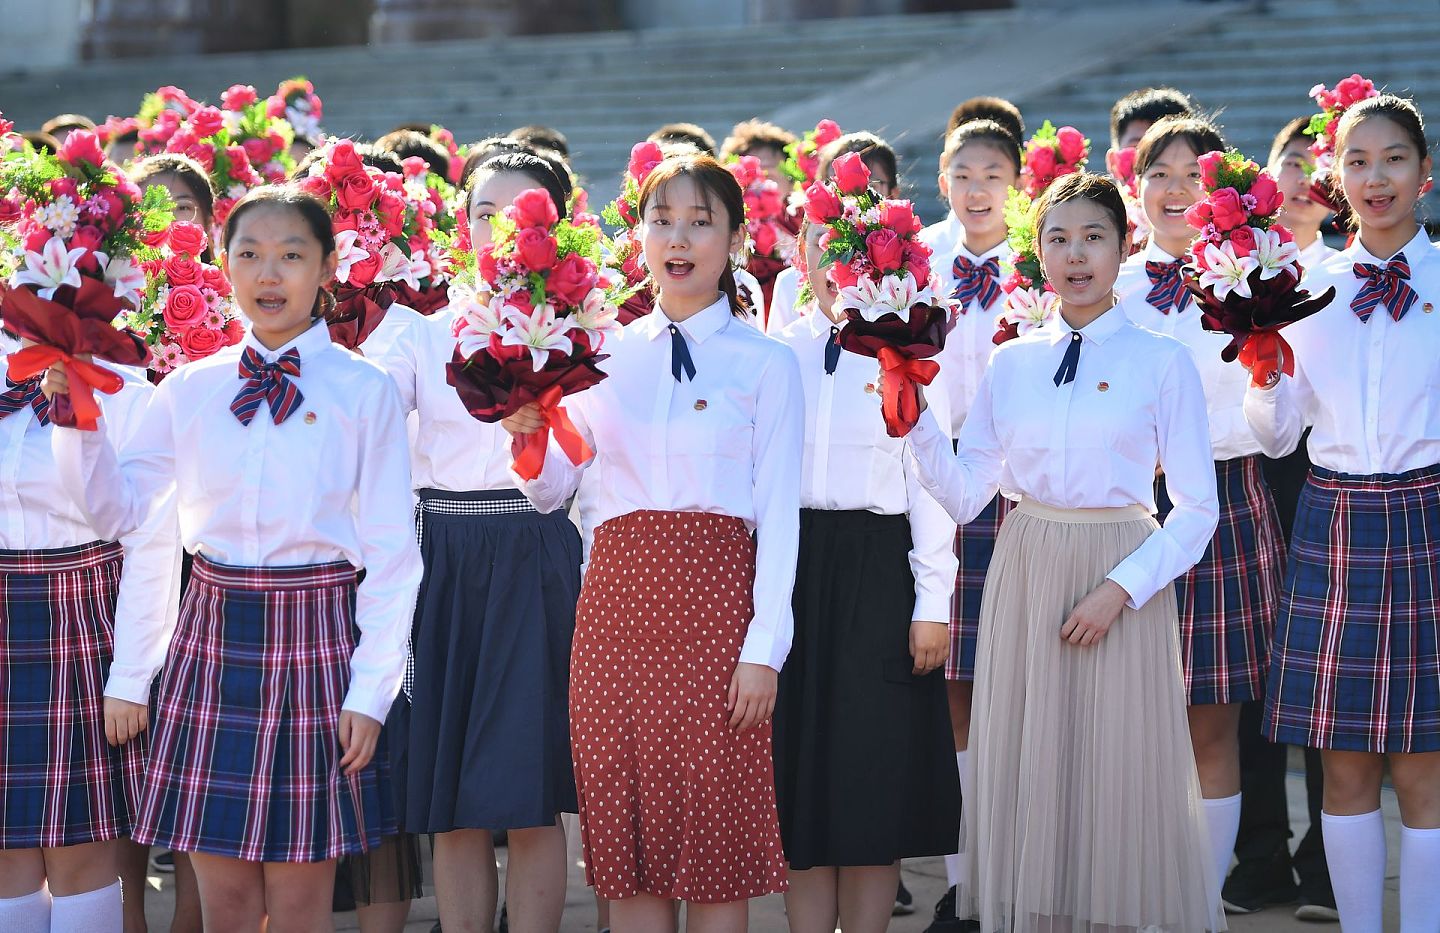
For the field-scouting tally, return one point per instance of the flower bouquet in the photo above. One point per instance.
(1029, 300)
(206, 138)
(161, 113)
(1129, 185)
(265, 139)
(771, 243)
(802, 157)
(295, 101)
(186, 312)
(1244, 269)
(882, 270)
(1049, 154)
(431, 229)
(78, 223)
(1333, 104)
(534, 330)
(624, 254)
(446, 138)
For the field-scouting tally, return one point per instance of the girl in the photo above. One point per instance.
(1084, 809)
(488, 744)
(72, 765)
(863, 774)
(1356, 670)
(979, 165)
(188, 185)
(1227, 601)
(684, 617)
(288, 461)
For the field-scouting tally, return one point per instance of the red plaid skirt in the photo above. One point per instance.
(974, 545)
(245, 761)
(60, 782)
(673, 802)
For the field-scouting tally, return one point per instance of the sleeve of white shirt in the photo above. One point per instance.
(963, 484)
(1184, 440)
(932, 532)
(401, 360)
(559, 478)
(778, 447)
(1277, 414)
(385, 601)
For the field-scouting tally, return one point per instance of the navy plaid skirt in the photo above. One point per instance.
(61, 783)
(245, 760)
(974, 543)
(1356, 662)
(1227, 601)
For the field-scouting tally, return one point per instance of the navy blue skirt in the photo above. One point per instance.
(488, 732)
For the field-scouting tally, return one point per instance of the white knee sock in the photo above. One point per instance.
(92, 912)
(1355, 851)
(957, 865)
(28, 914)
(1222, 818)
(1419, 880)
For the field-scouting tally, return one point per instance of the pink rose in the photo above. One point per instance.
(533, 208)
(821, 204)
(1226, 211)
(917, 261)
(88, 238)
(536, 248)
(571, 280)
(344, 161)
(842, 275)
(214, 279)
(207, 121)
(643, 159)
(392, 213)
(1198, 215)
(363, 272)
(1266, 194)
(185, 307)
(763, 237)
(319, 186)
(884, 249)
(36, 239)
(182, 270)
(10, 211)
(234, 332)
(258, 151)
(415, 167)
(1353, 89)
(200, 342)
(900, 217)
(1040, 163)
(355, 192)
(187, 238)
(1072, 144)
(826, 132)
(485, 262)
(852, 176)
(1243, 240)
(1210, 163)
(81, 146)
(747, 170)
(238, 97)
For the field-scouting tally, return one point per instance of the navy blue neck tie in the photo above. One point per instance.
(680, 356)
(832, 351)
(1071, 361)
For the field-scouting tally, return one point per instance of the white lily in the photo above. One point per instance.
(875, 299)
(475, 323)
(1227, 272)
(1274, 256)
(347, 253)
(126, 278)
(51, 268)
(1031, 308)
(539, 332)
(597, 317)
(395, 266)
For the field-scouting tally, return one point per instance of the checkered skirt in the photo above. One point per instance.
(61, 783)
(245, 760)
(1356, 662)
(1228, 600)
(974, 543)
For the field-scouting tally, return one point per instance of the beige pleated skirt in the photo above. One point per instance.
(1087, 812)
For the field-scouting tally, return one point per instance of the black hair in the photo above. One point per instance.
(749, 135)
(540, 136)
(479, 153)
(688, 133)
(546, 173)
(1201, 135)
(1147, 105)
(63, 124)
(874, 152)
(1292, 131)
(997, 109)
(405, 143)
(980, 131)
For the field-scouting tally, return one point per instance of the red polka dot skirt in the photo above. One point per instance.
(673, 802)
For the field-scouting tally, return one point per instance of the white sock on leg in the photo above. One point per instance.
(1419, 879)
(96, 911)
(28, 914)
(1222, 818)
(1355, 851)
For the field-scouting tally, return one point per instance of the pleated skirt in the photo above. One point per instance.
(1087, 812)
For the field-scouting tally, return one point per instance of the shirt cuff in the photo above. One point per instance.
(930, 607)
(1134, 581)
(129, 684)
(769, 654)
(364, 701)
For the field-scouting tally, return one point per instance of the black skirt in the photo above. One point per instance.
(864, 756)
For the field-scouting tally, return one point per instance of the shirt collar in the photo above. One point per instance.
(312, 341)
(1098, 330)
(1154, 252)
(1416, 251)
(697, 327)
(818, 323)
(999, 250)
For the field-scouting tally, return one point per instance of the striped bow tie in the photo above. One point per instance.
(1388, 285)
(269, 382)
(19, 394)
(972, 281)
(1167, 286)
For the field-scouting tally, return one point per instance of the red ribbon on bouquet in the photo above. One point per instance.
(529, 449)
(84, 377)
(900, 402)
(1266, 354)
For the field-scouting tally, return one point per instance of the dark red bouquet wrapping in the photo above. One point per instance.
(882, 269)
(533, 330)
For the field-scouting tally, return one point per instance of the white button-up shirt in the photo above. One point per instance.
(1371, 390)
(727, 442)
(851, 463)
(968, 346)
(1136, 400)
(330, 483)
(785, 301)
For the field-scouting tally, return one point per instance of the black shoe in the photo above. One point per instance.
(1254, 886)
(163, 861)
(504, 925)
(904, 902)
(944, 920)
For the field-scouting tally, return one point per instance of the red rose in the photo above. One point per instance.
(1226, 211)
(842, 275)
(764, 239)
(155, 238)
(536, 248)
(187, 238)
(355, 192)
(200, 342)
(319, 186)
(363, 272)
(885, 250)
(826, 132)
(852, 176)
(258, 151)
(485, 262)
(207, 121)
(571, 280)
(88, 238)
(1040, 163)
(10, 211)
(238, 97)
(643, 159)
(1266, 194)
(1198, 215)
(917, 262)
(1072, 144)
(182, 270)
(1210, 163)
(1284, 233)
(185, 307)
(81, 146)
(1243, 240)
(900, 217)
(36, 239)
(344, 161)
(214, 279)
(533, 207)
(234, 332)
(389, 181)
(821, 204)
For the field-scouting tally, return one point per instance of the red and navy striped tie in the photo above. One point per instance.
(269, 382)
(1167, 286)
(19, 394)
(1388, 285)
(972, 281)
